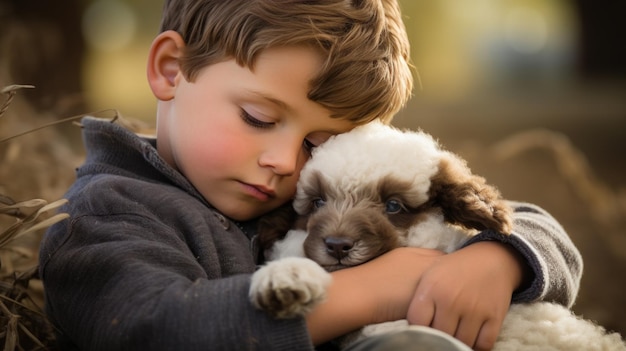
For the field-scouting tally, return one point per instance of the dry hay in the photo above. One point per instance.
(24, 325)
(45, 175)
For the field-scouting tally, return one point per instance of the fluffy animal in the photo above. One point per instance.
(376, 188)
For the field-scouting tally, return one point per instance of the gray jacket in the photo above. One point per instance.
(145, 263)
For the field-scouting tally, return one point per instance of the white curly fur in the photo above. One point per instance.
(346, 162)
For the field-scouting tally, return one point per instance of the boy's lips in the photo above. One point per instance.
(259, 192)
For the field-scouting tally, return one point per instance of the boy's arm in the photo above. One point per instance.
(555, 264)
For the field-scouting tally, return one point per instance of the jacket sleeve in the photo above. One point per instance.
(554, 260)
(124, 281)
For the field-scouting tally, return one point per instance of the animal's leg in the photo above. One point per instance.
(289, 287)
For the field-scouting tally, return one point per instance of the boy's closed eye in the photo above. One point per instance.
(255, 122)
(309, 146)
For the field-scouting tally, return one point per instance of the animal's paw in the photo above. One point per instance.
(289, 287)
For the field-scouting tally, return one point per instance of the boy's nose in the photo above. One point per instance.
(282, 157)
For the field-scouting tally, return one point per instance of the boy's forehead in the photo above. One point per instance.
(265, 97)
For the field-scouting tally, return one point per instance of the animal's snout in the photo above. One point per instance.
(338, 247)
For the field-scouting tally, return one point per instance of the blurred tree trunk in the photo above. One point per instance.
(603, 54)
(42, 44)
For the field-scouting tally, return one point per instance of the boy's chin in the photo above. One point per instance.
(245, 213)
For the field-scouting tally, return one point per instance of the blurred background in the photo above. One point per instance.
(531, 92)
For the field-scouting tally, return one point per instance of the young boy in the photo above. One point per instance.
(160, 245)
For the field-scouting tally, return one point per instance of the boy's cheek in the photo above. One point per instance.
(217, 153)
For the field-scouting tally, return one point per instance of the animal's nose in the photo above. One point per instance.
(338, 247)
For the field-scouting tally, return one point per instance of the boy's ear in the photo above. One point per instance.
(163, 66)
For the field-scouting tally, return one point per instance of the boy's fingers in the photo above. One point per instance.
(421, 310)
(486, 337)
(445, 322)
(467, 331)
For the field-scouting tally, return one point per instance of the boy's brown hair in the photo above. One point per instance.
(366, 74)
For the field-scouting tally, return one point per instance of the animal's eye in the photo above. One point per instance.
(393, 206)
(319, 202)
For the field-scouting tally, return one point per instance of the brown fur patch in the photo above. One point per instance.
(466, 199)
(274, 225)
(391, 188)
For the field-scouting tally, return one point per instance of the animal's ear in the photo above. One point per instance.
(466, 199)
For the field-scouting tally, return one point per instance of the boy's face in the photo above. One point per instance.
(240, 136)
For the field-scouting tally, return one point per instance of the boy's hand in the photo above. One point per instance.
(467, 293)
